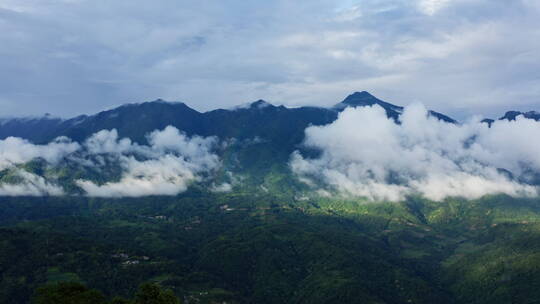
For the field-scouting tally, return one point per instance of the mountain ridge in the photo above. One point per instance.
(135, 120)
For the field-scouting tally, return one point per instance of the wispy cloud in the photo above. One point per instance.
(15, 150)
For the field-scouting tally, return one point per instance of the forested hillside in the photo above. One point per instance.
(364, 202)
(241, 248)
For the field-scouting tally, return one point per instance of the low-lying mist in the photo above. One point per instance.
(363, 153)
(165, 166)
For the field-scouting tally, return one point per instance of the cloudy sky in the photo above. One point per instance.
(460, 57)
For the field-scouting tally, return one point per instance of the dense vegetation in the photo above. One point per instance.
(77, 293)
(246, 248)
(269, 240)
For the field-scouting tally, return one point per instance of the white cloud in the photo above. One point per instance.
(170, 162)
(365, 154)
(15, 150)
(166, 166)
(107, 142)
(166, 175)
(30, 185)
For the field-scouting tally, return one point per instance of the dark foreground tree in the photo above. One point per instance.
(68, 293)
(76, 293)
(153, 294)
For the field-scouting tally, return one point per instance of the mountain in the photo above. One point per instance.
(33, 128)
(363, 99)
(247, 230)
(265, 135)
(512, 115)
(275, 123)
(260, 137)
(488, 121)
(131, 120)
(135, 121)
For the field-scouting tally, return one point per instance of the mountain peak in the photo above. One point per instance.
(163, 101)
(158, 103)
(362, 94)
(260, 104)
(512, 115)
(363, 98)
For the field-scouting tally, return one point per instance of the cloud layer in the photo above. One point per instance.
(165, 166)
(169, 163)
(28, 184)
(456, 56)
(14, 150)
(366, 154)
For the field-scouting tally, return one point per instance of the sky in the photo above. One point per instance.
(459, 57)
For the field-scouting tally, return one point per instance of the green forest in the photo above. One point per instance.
(201, 247)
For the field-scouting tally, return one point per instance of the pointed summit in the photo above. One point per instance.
(365, 99)
(260, 104)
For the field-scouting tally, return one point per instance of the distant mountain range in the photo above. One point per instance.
(277, 130)
(512, 115)
(259, 119)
